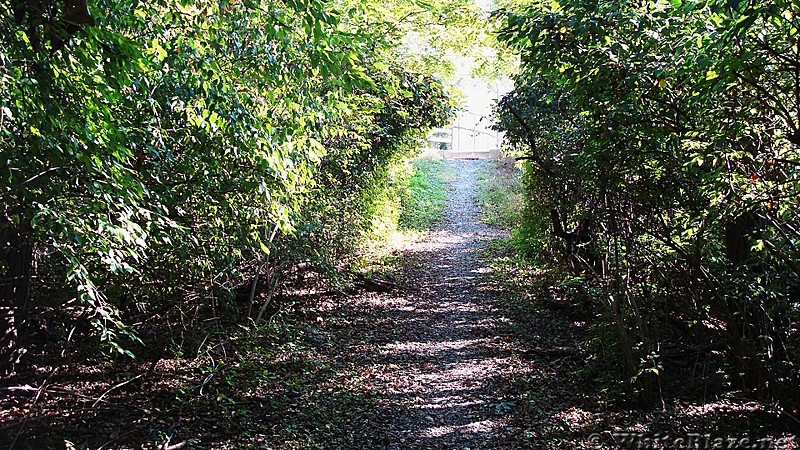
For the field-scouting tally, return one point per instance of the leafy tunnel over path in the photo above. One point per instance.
(455, 359)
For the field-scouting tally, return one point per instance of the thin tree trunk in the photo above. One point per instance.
(15, 273)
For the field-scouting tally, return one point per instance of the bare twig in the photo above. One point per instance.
(39, 392)
(54, 414)
(117, 386)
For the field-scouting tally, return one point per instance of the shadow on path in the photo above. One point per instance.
(432, 366)
(445, 359)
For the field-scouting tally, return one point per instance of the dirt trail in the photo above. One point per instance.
(446, 361)
(433, 365)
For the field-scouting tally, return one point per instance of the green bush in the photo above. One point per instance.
(423, 194)
(162, 154)
(662, 148)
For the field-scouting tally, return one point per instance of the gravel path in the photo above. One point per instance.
(446, 360)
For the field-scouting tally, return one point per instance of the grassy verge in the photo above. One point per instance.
(500, 193)
(424, 198)
(412, 203)
(414, 200)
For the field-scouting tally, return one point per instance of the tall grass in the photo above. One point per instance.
(423, 199)
(410, 201)
(500, 193)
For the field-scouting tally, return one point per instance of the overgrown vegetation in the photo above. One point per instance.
(574, 389)
(660, 142)
(169, 162)
(170, 168)
(500, 193)
(423, 197)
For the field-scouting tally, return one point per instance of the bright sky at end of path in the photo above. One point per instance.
(471, 129)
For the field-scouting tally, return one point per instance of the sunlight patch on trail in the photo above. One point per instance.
(432, 347)
(482, 426)
(447, 362)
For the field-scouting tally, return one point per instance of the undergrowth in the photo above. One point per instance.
(580, 391)
(500, 193)
(423, 199)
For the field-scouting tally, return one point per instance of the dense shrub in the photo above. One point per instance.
(158, 155)
(661, 148)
